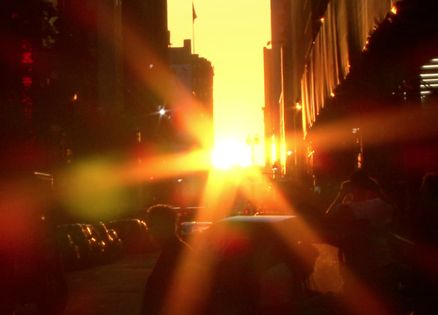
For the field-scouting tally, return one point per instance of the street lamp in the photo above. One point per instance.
(162, 111)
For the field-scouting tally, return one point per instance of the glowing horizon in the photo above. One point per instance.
(231, 36)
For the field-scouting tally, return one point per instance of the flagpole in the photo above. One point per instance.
(194, 16)
(193, 35)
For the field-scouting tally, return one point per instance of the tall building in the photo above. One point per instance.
(81, 77)
(315, 56)
(277, 92)
(90, 73)
(292, 31)
(357, 71)
(88, 77)
(192, 76)
(146, 72)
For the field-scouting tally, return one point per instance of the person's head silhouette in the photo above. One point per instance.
(361, 186)
(162, 222)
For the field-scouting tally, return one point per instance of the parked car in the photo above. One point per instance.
(115, 237)
(134, 234)
(276, 264)
(100, 245)
(114, 243)
(263, 265)
(88, 246)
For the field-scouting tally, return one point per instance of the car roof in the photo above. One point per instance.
(256, 227)
(257, 219)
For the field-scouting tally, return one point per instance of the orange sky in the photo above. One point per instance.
(231, 34)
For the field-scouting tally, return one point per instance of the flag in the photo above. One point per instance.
(194, 16)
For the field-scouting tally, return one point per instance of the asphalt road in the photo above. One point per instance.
(117, 288)
(111, 289)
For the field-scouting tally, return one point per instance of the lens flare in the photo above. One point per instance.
(92, 190)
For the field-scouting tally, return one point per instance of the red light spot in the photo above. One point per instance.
(26, 58)
(26, 100)
(27, 81)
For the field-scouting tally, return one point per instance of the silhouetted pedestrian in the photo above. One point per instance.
(426, 247)
(162, 222)
(426, 230)
(360, 218)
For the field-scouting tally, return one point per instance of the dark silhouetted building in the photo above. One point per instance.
(146, 71)
(362, 87)
(79, 77)
(192, 76)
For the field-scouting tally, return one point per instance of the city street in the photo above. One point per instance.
(302, 134)
(111, 289)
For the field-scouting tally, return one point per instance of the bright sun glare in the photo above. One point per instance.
(227, 154)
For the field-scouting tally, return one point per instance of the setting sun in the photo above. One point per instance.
(231, 34)
(227, 154)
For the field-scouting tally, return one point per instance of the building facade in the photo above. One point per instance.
(326, 38)
(81, 77)
(356, 69)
